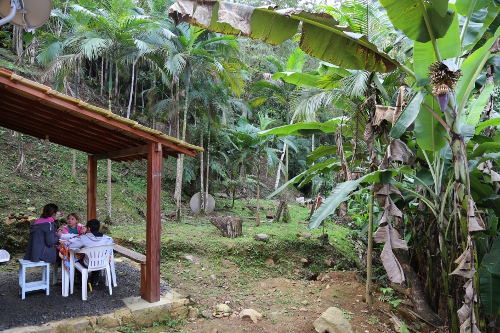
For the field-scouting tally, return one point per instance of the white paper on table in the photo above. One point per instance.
(68, 236)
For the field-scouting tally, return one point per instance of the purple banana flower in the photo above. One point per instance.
(443, 101)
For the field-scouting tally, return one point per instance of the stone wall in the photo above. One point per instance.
(14, 230)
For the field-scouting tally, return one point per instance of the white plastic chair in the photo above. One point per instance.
(98, 257)
(4, 256)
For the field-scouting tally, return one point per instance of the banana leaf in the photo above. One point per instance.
(407, 117)
(489, 122)
(298, 79)
(471, 68)
(322, 36)
(343, 190)
(424, 55)
(305, 129)
(320, 152)
(407, 16)
(490, 280)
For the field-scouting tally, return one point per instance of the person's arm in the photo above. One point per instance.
(51, 238)
(82, 230)
(76, 243)
(65, 230)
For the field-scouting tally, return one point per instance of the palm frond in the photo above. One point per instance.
(355, 85)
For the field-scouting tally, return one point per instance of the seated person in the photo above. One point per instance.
(74, 226)
(92, 238)
(44, 237)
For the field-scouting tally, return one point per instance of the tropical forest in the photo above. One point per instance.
(346, 177)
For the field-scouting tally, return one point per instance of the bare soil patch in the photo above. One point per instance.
(288, 305)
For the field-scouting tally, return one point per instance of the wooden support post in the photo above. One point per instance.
(153, 227)
(91, 188)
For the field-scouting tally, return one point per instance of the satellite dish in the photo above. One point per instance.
(27, 14)
(194, 203)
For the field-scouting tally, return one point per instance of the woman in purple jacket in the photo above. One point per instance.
(43, 237)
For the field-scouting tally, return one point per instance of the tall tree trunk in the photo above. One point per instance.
(76, 96)
(202, 194)
(116, 84)
(180, 167)
(369, 299)
(76, 79)
(278, 174)
(106, 71)
(142, 97)
(178, 135)
(110, 86)
(257, 217)
(131, 89)
(74, 164)
(312, 149)
(17, 44)
(102, 73)
(208, 155)
(286, 215)
(135, 90)
(108, 201)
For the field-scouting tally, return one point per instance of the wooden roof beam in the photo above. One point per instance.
(134, 151)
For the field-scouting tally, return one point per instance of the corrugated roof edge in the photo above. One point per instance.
(103, 112)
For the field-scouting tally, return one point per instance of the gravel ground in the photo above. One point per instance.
(37, 308)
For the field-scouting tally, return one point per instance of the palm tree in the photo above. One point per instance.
(94, 31)
(256, 145)
(279, 91)
(196, 52)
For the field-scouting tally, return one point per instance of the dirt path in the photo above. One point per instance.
(288, 306)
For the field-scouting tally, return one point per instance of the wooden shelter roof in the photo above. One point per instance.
(37, 110)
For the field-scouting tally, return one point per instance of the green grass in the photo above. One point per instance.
(197, 236)
(47, 177)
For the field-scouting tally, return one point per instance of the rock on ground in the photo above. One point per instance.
(250, 314)
(261, 237)
(332, 321)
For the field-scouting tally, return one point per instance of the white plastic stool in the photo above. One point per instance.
(35, 285)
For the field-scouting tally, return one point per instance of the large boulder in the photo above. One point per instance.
(332, 321)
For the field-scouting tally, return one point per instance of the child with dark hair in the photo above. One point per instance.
(44, 237)
(92, 238)
(74, 226)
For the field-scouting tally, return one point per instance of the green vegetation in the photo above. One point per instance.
(399, 103)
